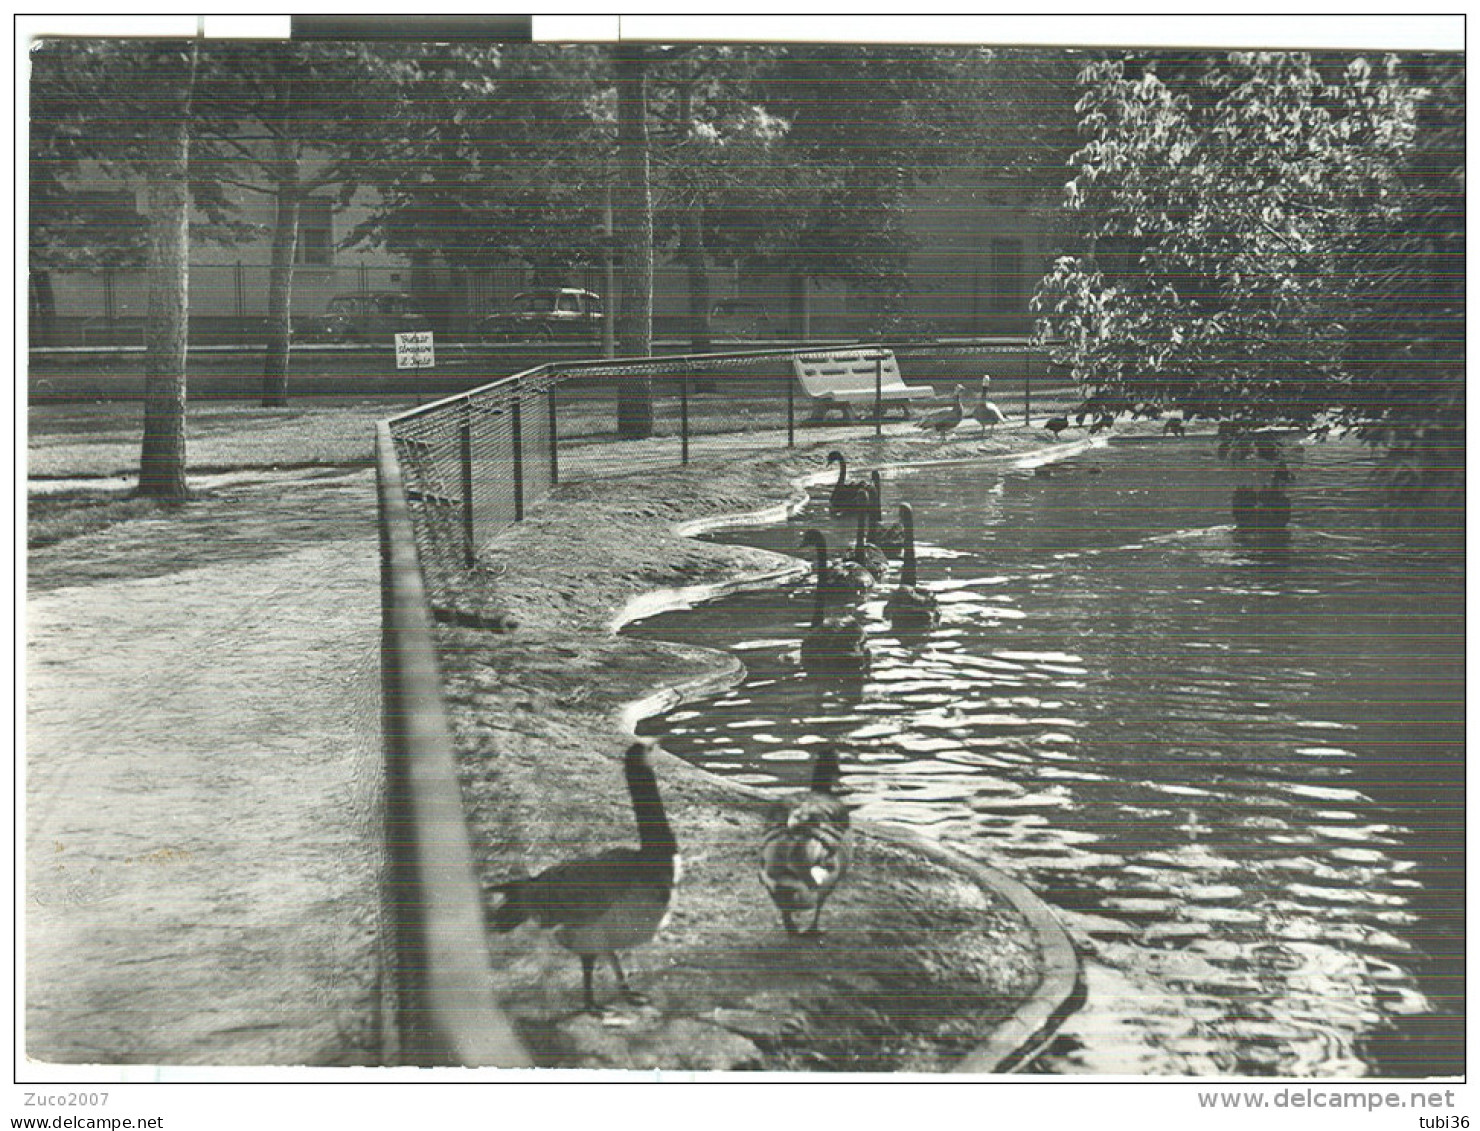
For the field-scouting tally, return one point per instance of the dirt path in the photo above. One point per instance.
(202, 785)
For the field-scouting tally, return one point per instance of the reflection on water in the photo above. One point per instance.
(1235, 770)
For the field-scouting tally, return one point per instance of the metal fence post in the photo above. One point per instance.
(518, 453)
(879, 395)
(1028, 386)
(791, 413)
(465, 435)
(554, 442)
(683, 413)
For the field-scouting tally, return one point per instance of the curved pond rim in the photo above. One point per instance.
(659, 601)
(1013, 1042)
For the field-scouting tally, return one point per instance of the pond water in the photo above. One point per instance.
(1236, 771)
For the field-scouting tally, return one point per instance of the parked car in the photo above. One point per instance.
(545, 315)
(366, 316)
(736, 319)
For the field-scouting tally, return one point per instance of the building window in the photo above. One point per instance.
(1006, 296)
(107, 225)
(316, 230)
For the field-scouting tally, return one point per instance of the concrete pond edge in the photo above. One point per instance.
(1014, 1042)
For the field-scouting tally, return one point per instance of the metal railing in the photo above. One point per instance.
(440, 1008)
(475, 462)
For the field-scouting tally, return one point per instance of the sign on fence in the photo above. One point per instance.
(414, 351)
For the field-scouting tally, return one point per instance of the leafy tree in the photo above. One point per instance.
(1405, 349)
(495, 153)
(127, 107)
(1025, 129)
(286, 121)
(865, 127)
(1221, 203)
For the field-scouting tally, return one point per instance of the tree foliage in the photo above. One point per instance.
(1257, 231)
(864, 128)
(282, 121)
(1406, 345)
(95, 106)
(493, 154)
(796, 158)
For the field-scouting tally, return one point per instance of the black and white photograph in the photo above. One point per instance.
(568, 550)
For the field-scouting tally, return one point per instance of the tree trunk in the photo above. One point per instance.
(691, 250)
(162, 462)
(691, 244)
(608, 276)
(634, 220)
(280, 275)
(43, 308)
(801, 306)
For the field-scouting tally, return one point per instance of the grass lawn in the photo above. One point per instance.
(100, 439)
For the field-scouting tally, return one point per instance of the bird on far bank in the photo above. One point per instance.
(987, 414)
(945, 420)
(1056, 424)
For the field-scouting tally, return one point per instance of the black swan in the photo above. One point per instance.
(846, 498)
(842, 580)
(832, 644)
(889, 538)
(865, 552)
(910, 608)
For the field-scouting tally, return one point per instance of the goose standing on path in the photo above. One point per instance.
(846, 498)
(910, 608)
(610, 901)
(806, 846)
(889, 538)
(987, 414)
(945, 419)
(1056, 424)
(832, 644)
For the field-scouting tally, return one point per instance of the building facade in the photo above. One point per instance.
(978, 250)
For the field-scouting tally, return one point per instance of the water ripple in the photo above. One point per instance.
(1182, 741)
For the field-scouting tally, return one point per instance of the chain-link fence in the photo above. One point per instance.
(474, 463)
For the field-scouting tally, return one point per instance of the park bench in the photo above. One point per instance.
(839, 379)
